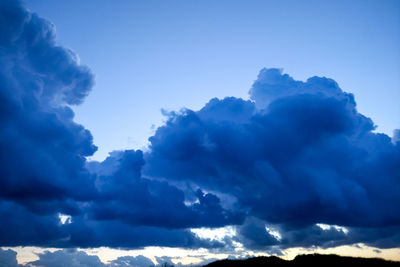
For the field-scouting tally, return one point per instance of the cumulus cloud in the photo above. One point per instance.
(295, 156)
(272, 84)
(43, 153)
(298, 155)
(39, 80)
(135, 200)
(43, 150)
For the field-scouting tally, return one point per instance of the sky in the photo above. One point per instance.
(153, 55)
(141, 132)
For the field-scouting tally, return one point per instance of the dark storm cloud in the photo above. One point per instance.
(47, 231)
(42, 149)
(298, 155)
(253, 234)
(43, 168)
(126, 196)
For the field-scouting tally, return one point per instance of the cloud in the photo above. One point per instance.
(298, 155)
(129, 261)
(253, 234)
(76, 258)
(43, 153)
(294, 156)
(67, 257)
(79, 258)
(272, 84)
(135, 200)
(42, 149)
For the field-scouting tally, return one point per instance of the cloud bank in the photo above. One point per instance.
(292, 166)
(73, 257)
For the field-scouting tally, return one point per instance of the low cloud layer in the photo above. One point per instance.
(289, 167)
(78, 258)
(73, 257)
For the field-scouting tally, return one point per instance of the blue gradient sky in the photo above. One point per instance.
(149, 55)
(295, 169)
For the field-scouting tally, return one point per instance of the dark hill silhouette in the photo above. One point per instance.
(305, 260)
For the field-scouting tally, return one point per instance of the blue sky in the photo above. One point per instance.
(275, 153)
(153, 55)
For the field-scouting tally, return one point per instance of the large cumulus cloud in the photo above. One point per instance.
(43, 167)
(39, 80)
(297, 154)
(42, 150)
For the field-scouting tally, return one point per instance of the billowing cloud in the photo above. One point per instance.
(299, 154)
(44, 174)
(42, 155)
(39, 80)
(295, 165)
(126, 196)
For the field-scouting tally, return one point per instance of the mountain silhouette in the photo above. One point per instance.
(305, 260)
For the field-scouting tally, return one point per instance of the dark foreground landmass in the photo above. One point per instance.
(305, 260)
